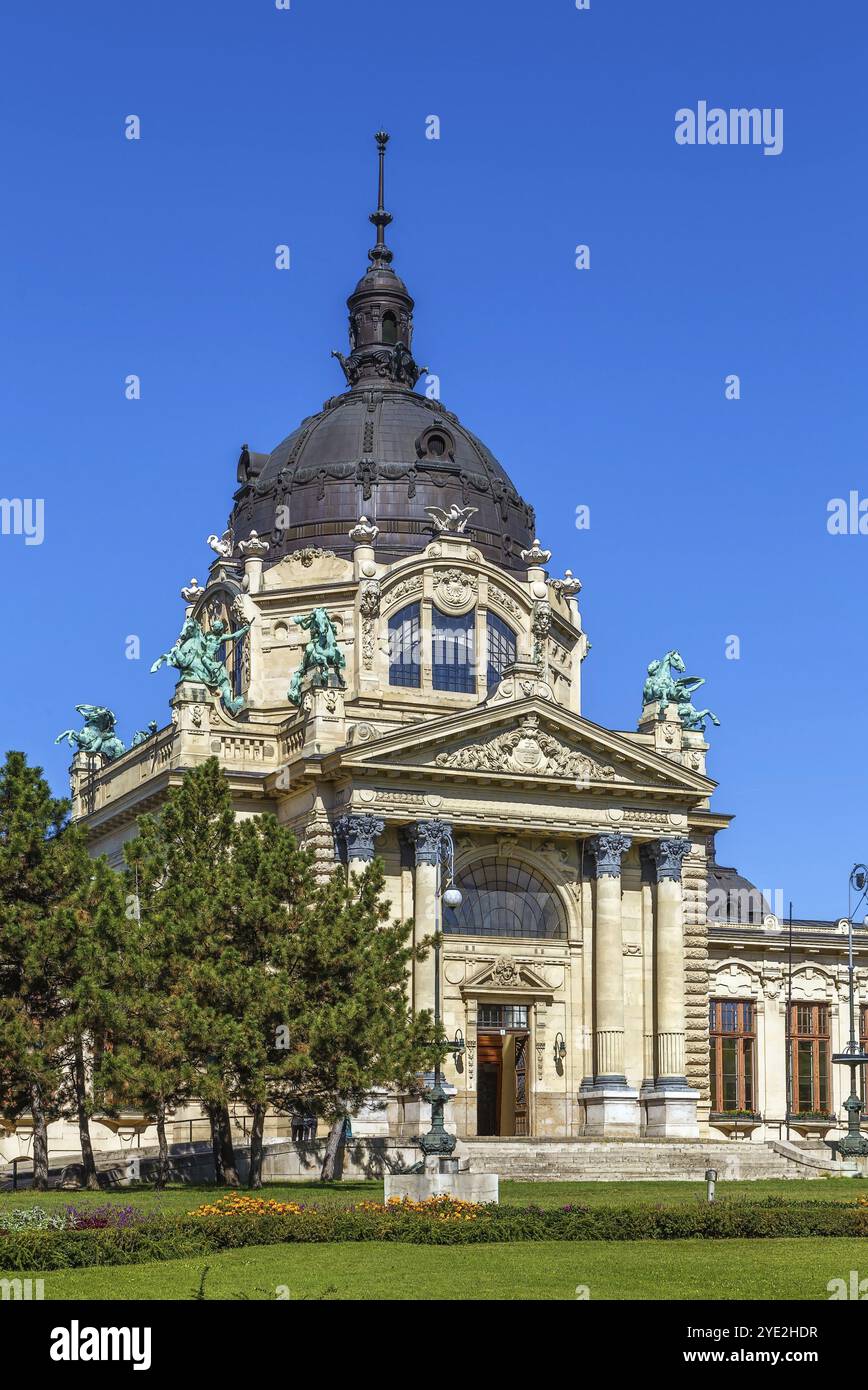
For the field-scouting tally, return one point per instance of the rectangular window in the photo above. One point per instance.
(810, 1054)
(404, 636)
(732, 1060)
(502, 1016)
(501, 649)
(454, 657)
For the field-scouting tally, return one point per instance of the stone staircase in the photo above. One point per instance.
(620, 1160)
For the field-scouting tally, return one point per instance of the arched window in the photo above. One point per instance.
(503, 897)
(404, 665)
(389, 330)
(501, 649)
(453, 655)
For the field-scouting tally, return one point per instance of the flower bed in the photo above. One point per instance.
(238, 1220)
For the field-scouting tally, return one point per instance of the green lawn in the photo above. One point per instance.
(543, 1194)
(759, 1269)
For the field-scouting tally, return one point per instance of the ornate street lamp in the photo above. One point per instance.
(854, 1145)
(438, 1142)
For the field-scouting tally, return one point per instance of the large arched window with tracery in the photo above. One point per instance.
(504, 897)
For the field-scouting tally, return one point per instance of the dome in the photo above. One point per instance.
(386, 453)
(380, 449)
(733, 898)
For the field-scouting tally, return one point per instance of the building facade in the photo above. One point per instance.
(607, 976)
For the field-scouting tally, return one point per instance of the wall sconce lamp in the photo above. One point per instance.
(560, 1047)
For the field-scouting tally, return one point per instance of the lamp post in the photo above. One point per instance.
(854, 1145)
(438, 1142)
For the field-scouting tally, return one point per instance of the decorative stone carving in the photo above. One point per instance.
(505, 971)
(254, 548)
(638, 817)
(357, 834)
(369, 608)
(192, 591)
(369, 600)
(666, 857)
(364, 532)
(527, 749)
(540, 626)
(568, 586)
(429, 839)
(455, 589)
(451, 523)
(536, 556)
(607, 852)
(503, 600)
(406, 589)
(222, 546)
(470, 1051)
(362, 732)
(309, 553)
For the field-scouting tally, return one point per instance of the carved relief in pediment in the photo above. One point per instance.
(528, 749)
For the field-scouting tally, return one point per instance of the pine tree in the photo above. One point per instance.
(72, 965)
(356, 1031)
(180, 863)
(32, 885)
(145, 1064)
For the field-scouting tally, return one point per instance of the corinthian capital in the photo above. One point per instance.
(666, 857)
(607, 852)
(430, 839)
(358, 833)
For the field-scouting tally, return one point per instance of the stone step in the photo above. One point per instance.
(640, 1160)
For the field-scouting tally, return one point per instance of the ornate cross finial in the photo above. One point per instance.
(381, 255)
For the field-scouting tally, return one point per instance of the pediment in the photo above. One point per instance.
(529, 740)
(503, 975)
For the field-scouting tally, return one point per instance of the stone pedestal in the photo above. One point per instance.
(611, 1112)
(442, 1178)
(670, 1114)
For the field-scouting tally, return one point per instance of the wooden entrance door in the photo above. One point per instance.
(503, 1083)
(489, 1083)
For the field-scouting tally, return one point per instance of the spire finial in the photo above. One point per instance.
(381, 255)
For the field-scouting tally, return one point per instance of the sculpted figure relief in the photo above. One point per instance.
(321, 655)
(196, 656)
(528, 748)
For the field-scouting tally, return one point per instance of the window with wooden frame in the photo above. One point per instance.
(810, 1053)
(732, 1070)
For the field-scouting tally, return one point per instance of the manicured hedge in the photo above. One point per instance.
(167, 1237)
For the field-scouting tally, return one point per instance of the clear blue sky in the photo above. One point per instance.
(603, 388)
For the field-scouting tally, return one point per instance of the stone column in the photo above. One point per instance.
(356, 834)
(606, 852)
(670, 1104)
(426, 838)
(611, 1107)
